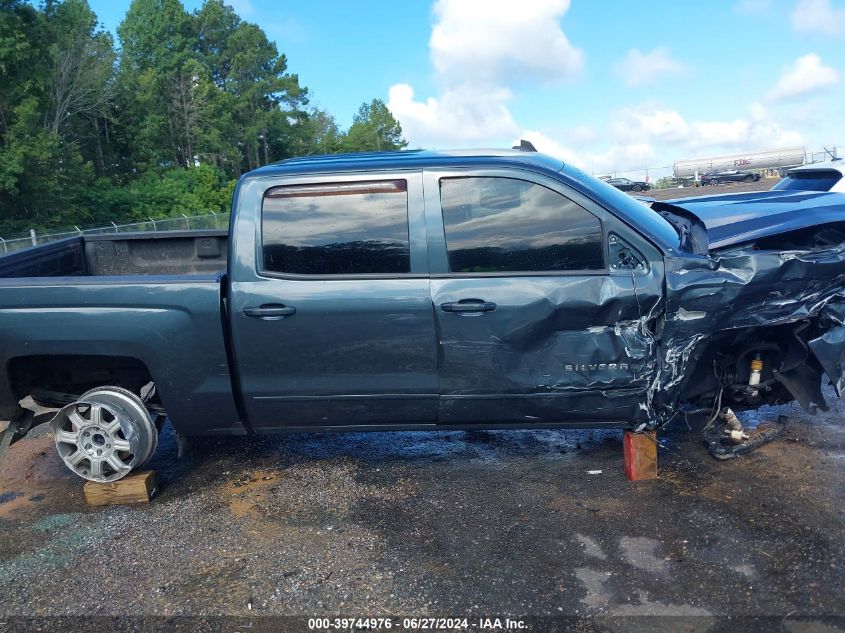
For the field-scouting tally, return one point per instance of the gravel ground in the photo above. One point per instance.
(450, 523)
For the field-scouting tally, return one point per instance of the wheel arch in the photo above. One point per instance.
(73, 374)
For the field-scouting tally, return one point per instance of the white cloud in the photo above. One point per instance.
(623, 158)
(581, 135)
(617, 158)
(647, 122)
(482, 52)
(546, 145)
(479, 49)
(638, 68)
(458, 116)
(653, 124)
(818, 16)
(501, 41)
(806, 74)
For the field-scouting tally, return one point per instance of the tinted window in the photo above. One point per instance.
(502, 224)
(337, 228)
(809, 180)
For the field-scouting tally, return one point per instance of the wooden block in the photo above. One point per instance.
(640, 455)
(134, 488)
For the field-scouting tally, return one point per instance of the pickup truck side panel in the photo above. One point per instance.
(173, 327)
(359, 350)
(571, 347)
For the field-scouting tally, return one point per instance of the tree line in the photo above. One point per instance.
(161, 122)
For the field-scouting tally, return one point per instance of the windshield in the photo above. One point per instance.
(809, 180)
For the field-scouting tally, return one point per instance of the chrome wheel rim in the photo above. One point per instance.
(141, 423)
(91, 441)
(105, 434)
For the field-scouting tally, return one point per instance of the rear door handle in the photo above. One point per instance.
(270, 312)
(468, 305)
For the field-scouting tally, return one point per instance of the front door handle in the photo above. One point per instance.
(468, 305)
(270, 312)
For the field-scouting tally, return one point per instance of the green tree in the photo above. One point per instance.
(43, 180)
(50, 81)
(163, 126)
(155, 36)
(265, 95)
(81, 65)
(319, 134)
(374, 129)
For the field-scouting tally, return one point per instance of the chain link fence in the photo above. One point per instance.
(210, 220)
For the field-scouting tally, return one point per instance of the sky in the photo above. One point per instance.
(610, 86)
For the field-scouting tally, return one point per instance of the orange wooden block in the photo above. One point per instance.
(640, 455)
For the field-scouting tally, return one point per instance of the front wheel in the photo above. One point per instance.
(637, 188)
(749, 179)
(714, 182)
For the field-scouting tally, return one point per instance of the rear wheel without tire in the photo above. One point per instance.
(105, 434)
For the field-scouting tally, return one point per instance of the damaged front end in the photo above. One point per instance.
(753, 322)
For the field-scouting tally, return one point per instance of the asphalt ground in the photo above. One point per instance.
(709, 190)
(453, 524)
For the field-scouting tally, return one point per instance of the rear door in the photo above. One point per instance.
(544, 302)
(330, 306)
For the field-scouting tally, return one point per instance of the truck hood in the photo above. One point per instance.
(735, 218)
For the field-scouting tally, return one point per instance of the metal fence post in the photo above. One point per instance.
(5, 250)
(115, 227)
(155, 228)
(187, 221)
(32, 237)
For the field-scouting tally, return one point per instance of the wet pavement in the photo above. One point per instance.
(465, 524)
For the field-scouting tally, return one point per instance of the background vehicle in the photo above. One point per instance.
(814, 177)
(423, 290)
(728, 175)
(623, 184)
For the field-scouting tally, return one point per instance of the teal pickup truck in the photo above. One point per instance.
(423, 290)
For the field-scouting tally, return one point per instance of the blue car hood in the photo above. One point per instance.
(734, 218)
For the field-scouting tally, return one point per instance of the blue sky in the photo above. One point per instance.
(609, 85)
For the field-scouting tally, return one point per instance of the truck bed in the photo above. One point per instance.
(152, 300)
(200, 252)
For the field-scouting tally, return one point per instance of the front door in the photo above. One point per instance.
(536, 323)
(332, 325)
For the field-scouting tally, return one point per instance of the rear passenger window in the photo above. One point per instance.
(343, 228)
(509, 225)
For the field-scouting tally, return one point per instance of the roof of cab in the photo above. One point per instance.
(406, 159)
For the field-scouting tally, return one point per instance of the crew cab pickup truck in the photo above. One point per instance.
(424, 290)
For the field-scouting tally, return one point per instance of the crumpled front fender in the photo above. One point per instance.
(829, 350)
